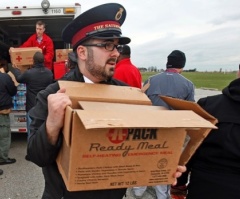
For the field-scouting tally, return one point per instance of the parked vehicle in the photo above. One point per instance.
(17, 23)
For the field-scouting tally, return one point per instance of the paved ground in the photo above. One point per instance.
(23, 180)
(199, 93)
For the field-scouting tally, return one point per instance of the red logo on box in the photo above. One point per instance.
(117, 136)
(59, 55)
(19, 58)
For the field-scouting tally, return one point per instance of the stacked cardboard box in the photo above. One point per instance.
(114, 138)
(62, 54)
(23, 57)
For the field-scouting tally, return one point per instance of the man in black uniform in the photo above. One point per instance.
(7, 91)
(36, 79)
(95, 35)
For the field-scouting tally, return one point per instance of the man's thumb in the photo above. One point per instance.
(61, 90)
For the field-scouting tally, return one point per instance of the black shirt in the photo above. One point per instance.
(36, 79)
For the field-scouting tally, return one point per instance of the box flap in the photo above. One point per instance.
(179, 104)
(196, 136)
(104, 93)
(110, 106)
(93, 119)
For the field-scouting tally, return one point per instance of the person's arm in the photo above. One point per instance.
(12, 89)
(191, 93)
(47, 121)
(48, 57)
(20, 77)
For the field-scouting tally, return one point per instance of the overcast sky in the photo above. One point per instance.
(207, 31)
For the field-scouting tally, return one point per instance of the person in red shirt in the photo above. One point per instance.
(43, 41)
(125, 71)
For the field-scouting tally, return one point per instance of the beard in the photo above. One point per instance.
(98, 71)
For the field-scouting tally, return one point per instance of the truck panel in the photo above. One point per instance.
(18, 121)
(17, 24)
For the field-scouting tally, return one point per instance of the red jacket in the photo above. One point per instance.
(46, 45)
(126, 72)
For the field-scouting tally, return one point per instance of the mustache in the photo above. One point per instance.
(112, 60)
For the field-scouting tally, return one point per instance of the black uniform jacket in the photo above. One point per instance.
(7, 91)
(36, 78)
(216, 163)
(44, 154)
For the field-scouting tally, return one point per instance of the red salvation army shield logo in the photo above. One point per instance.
(117, 136)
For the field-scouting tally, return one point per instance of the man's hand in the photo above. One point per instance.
(178, 173)
(57, 104)
(10, 49)
(15, 66)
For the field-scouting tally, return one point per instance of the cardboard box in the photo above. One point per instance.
(23, 56)
(114, 138)
(62, 54)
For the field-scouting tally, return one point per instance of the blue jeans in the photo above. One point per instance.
(162, 191)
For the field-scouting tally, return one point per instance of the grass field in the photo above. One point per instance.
(211, 80)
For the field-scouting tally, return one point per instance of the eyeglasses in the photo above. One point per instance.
(108, 46)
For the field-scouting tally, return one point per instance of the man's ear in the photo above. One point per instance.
(82, 52)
